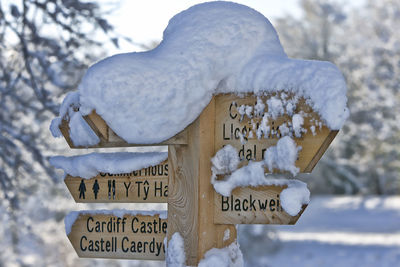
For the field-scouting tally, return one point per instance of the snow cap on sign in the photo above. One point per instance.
(89, 165)
(211, 48)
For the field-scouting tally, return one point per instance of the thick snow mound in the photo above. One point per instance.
(211, 48)
(283, 156)
(90, 165)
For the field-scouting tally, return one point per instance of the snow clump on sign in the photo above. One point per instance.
(211, 48)
(294, 197)
(230, 256)
(225, 161)
(90, 165)
(249, 175)
(176, 251)
(80, 132)
(283, 156)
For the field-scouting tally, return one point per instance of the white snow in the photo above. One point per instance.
(312, 128)
(263, 129)
(225, 161)
(55, 127)
(176, 251)
(294, 197)
(283, 156)
(230, 256)
(297, 124)
(80, 132)
(259, 107)
(227, 234)
(334, 231)
(249, 175)
(70, 104)
(211, 48)
(275, 107)
(71, 217)
(90, 165)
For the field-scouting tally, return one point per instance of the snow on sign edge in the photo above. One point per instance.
(148, 97)
(90, 165)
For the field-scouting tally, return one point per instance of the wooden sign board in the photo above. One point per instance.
(146, 185)
(252, 205)
(108, 138)
(138, 237)
(230, 125)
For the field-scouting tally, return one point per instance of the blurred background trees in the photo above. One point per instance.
(45, 47)
(364, 43)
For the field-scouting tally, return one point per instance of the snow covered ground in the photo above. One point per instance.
(333, 231)
(338, 231)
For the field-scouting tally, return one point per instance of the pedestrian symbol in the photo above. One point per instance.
(95, 188)
(82, 189)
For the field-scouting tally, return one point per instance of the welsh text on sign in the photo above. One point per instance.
(241, 123)
(128, 237)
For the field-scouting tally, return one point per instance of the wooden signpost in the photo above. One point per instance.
(203, 218)
(129, 237)
(147, 185)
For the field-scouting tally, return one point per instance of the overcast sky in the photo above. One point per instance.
(144, 21)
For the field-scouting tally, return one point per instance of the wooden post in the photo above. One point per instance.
(191, 194)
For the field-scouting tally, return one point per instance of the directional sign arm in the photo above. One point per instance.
(108, 138)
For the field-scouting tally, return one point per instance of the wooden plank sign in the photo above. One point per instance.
(234, 127)
(146, 185)
(108, 138)
(129, 237)
(190, 201)
(252, 205)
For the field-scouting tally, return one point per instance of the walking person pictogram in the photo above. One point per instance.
(95, 188)
(82, 189)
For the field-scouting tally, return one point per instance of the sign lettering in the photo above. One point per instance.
(145, 185)
(252, 205)
(127, 237)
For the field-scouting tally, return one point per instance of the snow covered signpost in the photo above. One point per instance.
(232, 108)
(253, 126)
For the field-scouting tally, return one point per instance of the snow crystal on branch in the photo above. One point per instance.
(151, 96)
(90, 165)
